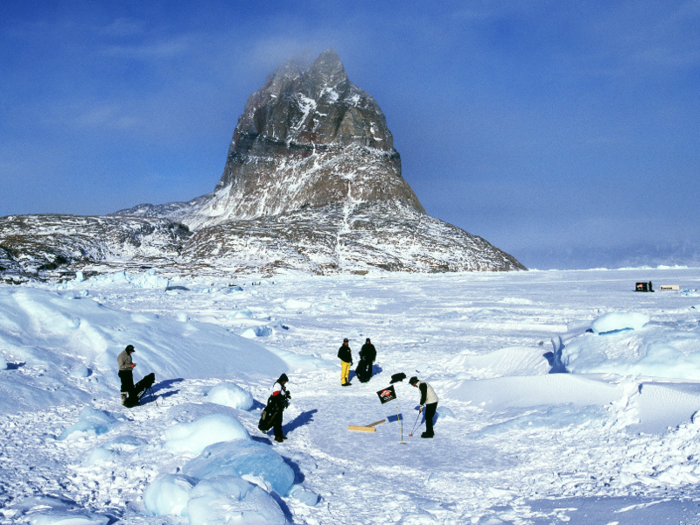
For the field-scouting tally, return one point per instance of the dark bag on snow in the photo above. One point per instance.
(139, 390)
(362, 371)
(267, 418)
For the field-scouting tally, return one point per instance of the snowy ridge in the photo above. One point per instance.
(344, 239)
(349, 237)
(47, 242)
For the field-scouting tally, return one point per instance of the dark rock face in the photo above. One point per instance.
(311, 138)
(306, 138)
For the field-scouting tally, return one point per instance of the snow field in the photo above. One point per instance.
(509, 436)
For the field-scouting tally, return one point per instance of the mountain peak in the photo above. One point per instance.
(328, 71)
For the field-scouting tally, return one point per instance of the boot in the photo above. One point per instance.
(279, 439)
(124, 396)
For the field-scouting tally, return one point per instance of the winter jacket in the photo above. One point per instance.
(124, 361)
(279, 396)
(345, 354)
(368, 352)
(427, 394)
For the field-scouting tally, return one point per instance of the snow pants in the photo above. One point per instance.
(277, 426)
(429, 416)
(344, 372)
(127, 377)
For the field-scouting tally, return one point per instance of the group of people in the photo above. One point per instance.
(368, 354)
(364, 369)
(279, 399)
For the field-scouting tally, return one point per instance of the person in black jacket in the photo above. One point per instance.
(367, 356)
(345, 356)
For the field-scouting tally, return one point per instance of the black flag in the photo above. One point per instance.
(387, 394)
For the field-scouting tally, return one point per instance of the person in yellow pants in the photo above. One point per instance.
(345, 356)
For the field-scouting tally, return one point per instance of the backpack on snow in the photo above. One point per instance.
(268, 416)
(140, 390)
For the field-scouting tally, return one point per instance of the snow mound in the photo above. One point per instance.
(243, 458)
(552, 389)
(81, 371)
(257, 331)
(112, 450)
(231, 395)
(37, 326)
(513, 361)
(305, 496)
(240, 314)
(617, 321)
(300, 362)
(223, 500)
(147, 279)
(91, 422)
(194, 437)
(658, 351)
(445, 412)
(168, 494)
(660, 407)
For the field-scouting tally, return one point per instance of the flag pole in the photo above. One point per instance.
(399, 418)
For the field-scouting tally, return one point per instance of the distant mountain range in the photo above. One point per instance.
(311, 183)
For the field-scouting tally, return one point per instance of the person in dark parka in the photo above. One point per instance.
(429, 399)
(367, 356)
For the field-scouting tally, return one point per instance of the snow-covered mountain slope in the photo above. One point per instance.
(46, 242)
(345, 239)
(337, 238)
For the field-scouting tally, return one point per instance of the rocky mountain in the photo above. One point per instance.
(306, 138)
(312, 183)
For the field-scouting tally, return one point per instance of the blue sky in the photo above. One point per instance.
(565, 133)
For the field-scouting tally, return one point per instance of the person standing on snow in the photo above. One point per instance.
(430, 401)
(367, 356)
(126, 373)
(280, 400)
(345, 356)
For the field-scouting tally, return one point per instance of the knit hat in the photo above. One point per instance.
(368, 340)
(413, 380)
(283, 378)
(346, 340)
(130, 348)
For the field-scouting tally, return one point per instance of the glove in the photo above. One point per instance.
(288, 395)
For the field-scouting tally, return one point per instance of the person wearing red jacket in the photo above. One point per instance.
(280, 399)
